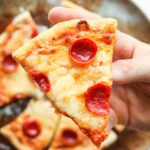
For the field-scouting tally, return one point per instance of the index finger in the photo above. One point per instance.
(60, 14)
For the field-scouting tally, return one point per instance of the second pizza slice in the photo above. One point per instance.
(34, 128)
(69, 137)
(71, 63)
(15, 83)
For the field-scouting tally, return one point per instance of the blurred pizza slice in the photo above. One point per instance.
(34, 128)
(14, 81)
(71, 63)
(69, 137)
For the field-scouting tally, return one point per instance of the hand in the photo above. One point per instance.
(130, 96)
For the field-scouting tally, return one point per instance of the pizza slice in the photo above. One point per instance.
(15, 83)
(71, 63)
(34, 128)
(69, 137)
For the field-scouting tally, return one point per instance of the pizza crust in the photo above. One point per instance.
(44, 114)
(57, 30)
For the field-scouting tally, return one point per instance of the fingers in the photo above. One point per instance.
(124, 46)
(127, 47)
(131, 70)
(60, 14)
(119, 103)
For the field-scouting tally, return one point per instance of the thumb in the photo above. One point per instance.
(131, 70)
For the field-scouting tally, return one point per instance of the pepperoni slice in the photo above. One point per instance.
(9, 65)
(31, 128)
(69, 137)
(42, 80)
(83, 51)
(97, 99)
(83, 25)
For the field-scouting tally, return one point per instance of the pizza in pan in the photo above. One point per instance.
(34, 128)
(71, 63)
(69, 137)
(15, 83)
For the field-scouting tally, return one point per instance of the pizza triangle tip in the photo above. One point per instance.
(71, 63)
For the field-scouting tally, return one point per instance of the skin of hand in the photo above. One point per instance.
(130, 94)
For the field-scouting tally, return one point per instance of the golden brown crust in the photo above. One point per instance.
(106, 26)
